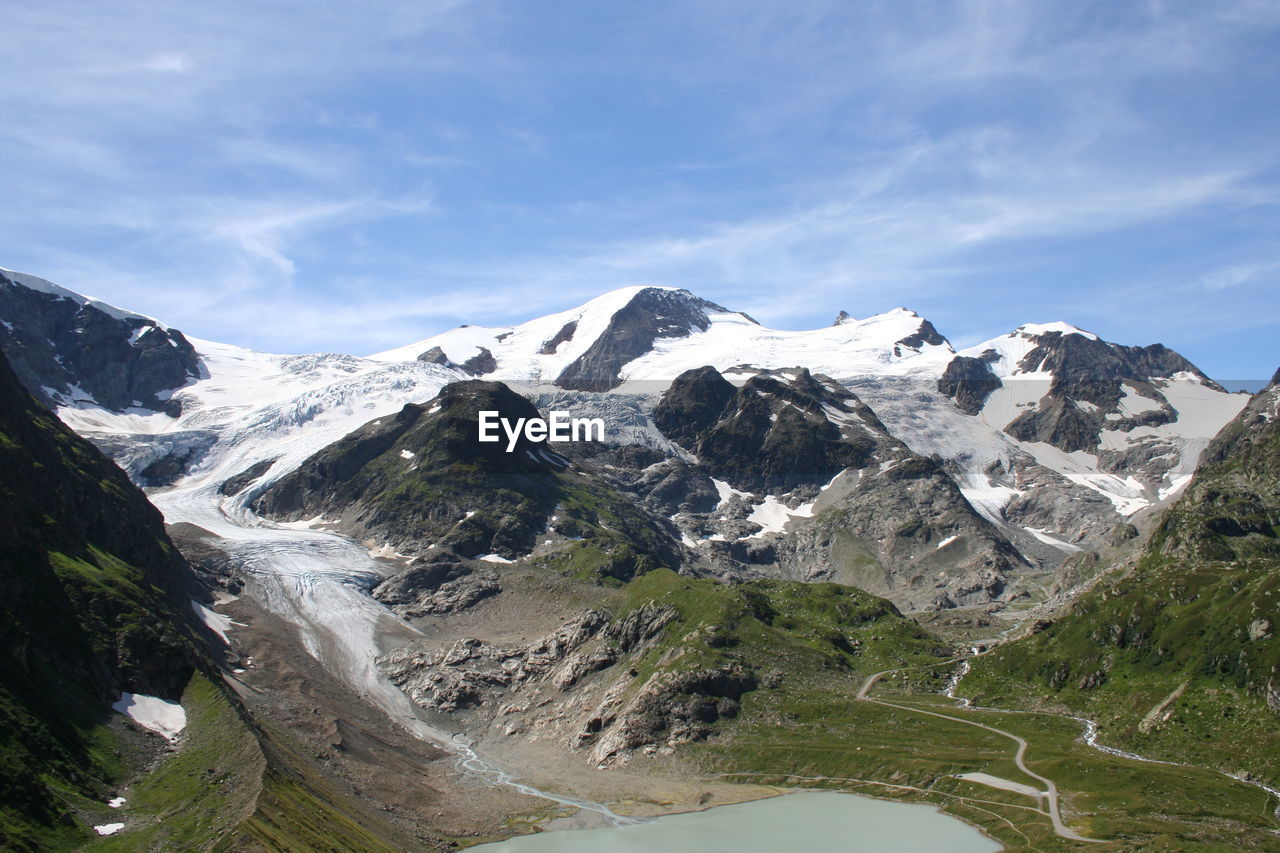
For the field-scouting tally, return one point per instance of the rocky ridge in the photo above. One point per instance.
(69, 350)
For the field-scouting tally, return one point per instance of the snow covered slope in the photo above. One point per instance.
(255, 408)
(686, 332)
(1052, 433)
(1061, 433)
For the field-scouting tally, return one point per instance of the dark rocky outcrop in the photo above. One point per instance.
(238, 483)
(435, 355)
(65, 349)
(1060, 422)
(926, 335)
(1091, 370)
(479, 364)
(552, 344)
(440, 582)
(693, 404)
(1088, 370)
(770, 434)
(653, 313)
(969, 381)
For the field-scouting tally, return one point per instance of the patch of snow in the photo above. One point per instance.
(158, 715)
(108, 828)
(986, 497)
(307, 524)
(215, 621)
(858, 347)
(1176, 484)
(945, 542)
(1133, 403)
(1050, 539)
(725, 491)
(116, 802)
(494, 558)
(407, 454)
(385, 552)
(772, 515)
(138, 333)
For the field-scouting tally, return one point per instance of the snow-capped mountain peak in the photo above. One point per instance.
(654, 334)
(40, 285)
(543, 349)
(1035, 330)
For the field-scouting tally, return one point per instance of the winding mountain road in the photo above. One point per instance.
(1050, 793)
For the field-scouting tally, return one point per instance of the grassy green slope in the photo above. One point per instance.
(1178, 657)
(90, 601)
(797, 630)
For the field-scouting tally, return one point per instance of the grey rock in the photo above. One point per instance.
(57, 345)
(652, 314)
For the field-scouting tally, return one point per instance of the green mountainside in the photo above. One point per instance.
(1176, 656)
(421, 480)
(90, 591)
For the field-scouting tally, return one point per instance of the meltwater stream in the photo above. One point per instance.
(319, 582)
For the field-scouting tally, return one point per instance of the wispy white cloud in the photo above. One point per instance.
(302, 160)
(171, 63)
(1238, 274)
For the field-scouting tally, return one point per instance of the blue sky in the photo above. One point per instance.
(298, 176)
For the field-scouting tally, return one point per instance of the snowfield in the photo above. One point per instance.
(160, 716)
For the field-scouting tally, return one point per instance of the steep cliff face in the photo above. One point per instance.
(969, 381)
(71, 350)
(91, 603)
